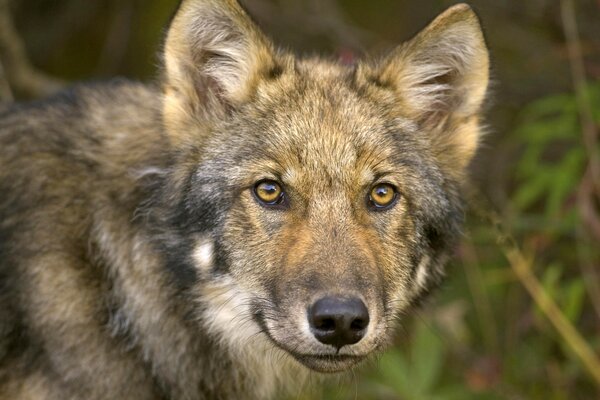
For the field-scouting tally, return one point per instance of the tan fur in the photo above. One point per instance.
(135, 260)
(442, 76)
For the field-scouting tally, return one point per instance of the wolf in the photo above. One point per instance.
(252, 220)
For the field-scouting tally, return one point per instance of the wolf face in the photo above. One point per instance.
(316, 202)
(256, 218)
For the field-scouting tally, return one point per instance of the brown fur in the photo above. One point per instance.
(135, 262)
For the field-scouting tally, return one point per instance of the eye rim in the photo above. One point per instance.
(279, 203)
(374, 206)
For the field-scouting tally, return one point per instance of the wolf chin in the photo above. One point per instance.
(252, 220)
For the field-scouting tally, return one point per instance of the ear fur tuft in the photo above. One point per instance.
(214, 57)
(441, 78)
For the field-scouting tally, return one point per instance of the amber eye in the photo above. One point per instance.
(382, 196)
(269, 193)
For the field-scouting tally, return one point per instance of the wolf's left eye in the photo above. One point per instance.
(382, 196)
(269, 193)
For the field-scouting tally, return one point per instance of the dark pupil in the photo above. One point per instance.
(381, 191)
(269, 188)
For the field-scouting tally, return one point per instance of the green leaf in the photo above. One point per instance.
(574, 296)
(427, 357)
(394, 372)
(542, 131)
(551, 278)
(531, 191)
(566, 177)
(560, 103)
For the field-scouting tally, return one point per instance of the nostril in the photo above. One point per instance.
(325, 324)
(359, 324)
(338, 321)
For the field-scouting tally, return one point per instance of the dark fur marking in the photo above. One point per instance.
(274, 72)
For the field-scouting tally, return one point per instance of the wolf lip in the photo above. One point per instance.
(328, 363)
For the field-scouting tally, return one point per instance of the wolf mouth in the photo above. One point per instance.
(320, 362)
(328, 363)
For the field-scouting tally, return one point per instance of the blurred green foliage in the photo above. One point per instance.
(554, 158)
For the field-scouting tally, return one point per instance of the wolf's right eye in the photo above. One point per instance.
(269, 193)
(382, 197)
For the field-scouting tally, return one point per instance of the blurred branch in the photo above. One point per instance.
(18, 71)
(117, 38)
(589, 216)
(323, 17)
(336, 23)
(5, 92)
(483, 306)
(589, 189)
(589, 129)
(522, 267)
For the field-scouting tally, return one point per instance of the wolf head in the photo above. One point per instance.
(313, 202)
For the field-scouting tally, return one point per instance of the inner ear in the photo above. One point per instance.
(439, 79)
(446, 99)
(443, 71)
(214, 58)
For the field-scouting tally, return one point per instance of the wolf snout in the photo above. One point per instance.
(338, 321)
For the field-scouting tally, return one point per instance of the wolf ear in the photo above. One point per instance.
(441, 77)
(214, 56)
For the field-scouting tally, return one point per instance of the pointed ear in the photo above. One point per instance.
(214, 56)
(441, 77)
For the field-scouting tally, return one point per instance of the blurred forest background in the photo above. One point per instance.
(519, 316)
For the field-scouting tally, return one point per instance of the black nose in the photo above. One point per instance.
(338, 321)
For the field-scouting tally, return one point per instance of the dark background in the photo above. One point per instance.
(519, 317)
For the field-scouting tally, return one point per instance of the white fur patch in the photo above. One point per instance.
(148, 171)
(229, 317)
(422, 272)
(203, 254)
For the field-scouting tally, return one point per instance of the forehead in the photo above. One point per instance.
(319, 122)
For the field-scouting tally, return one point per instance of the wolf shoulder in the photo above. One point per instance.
(89, 132)
(80, 119)
(66, 162)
